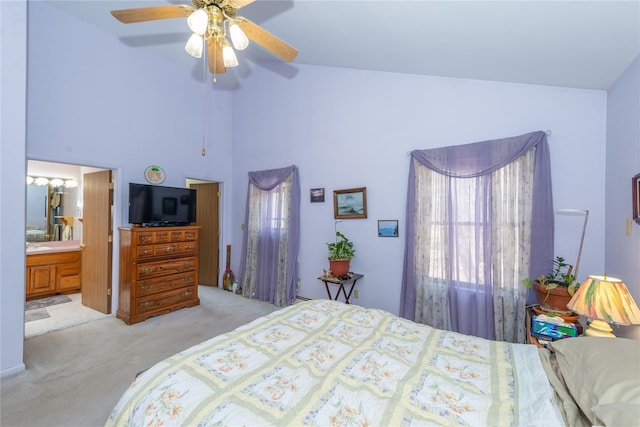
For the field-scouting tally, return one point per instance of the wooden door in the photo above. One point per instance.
(207, 216)
(97, 236)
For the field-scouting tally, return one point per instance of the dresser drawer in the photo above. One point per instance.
(162, 268)
(190, 247)
(161, 236)
(145, 251)
(165, 283)
(163, 300)
(167, 249)
(145, 237)
(162, 249)
(177, 236)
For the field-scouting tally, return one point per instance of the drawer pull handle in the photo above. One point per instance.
(147, 270)
(169, 249)
(147, 287)
(186, 294)
(146, 251)
(188, 264)
(188, 279)
(147, 303)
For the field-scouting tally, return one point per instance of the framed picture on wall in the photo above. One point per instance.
(351, 203)
(317, 195)
(387, 228)
(635, 188)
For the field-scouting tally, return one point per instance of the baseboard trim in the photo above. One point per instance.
(12, 370)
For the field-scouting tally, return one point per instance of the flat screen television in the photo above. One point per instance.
(155, 205)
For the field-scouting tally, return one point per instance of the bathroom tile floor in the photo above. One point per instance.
(63, 316)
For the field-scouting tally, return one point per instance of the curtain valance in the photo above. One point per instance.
(269, 179)
(478, 158)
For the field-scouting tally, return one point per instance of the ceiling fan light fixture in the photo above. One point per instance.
(198, 21)
(229, 56)
(238, 37)
(194, 46)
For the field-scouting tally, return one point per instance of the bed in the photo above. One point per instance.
(326, 363)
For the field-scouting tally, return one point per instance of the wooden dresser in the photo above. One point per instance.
(158, 271)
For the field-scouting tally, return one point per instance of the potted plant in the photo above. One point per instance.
(340, 254)
(555, 289)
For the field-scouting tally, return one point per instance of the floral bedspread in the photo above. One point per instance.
(326, 363)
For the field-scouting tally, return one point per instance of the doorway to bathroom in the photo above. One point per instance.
(69, 246)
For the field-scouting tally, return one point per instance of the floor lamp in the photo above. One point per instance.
(577, 212)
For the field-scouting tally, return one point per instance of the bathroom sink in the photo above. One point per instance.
(38, 248)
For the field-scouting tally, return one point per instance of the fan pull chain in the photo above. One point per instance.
(215, 61)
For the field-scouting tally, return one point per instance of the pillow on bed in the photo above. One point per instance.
(600, 372)
(618, 414)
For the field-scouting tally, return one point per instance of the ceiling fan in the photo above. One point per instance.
(210, 21)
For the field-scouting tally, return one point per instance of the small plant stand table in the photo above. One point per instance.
(351, 282)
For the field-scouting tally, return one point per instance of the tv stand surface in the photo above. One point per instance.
(158, 271)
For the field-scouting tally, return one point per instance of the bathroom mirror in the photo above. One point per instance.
(50, 212)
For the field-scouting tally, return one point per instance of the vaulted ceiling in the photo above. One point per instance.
(579, 44)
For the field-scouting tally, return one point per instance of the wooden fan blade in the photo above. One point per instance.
(240, 3)
(154, 13)
(267, 40)
(216, 64)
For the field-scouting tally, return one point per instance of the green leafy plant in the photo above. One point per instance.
(342, 248)
(559, 276)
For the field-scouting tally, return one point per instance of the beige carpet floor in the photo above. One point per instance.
(75, 376)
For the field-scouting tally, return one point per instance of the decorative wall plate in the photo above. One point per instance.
(154, 174)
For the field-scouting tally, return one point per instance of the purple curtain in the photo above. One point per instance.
(472, 161)
(268, 280)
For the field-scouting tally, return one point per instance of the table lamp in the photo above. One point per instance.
(604, 300)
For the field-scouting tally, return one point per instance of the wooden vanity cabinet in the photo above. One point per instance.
(41, 280)
(53, 273)
(158, 271)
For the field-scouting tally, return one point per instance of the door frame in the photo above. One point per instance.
(192, 180)
(116, 215)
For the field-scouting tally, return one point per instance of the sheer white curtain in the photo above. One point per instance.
(511, 227)
(270, 248)
(463, 283)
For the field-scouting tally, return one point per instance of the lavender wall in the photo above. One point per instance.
(622, 252)
(347, 128)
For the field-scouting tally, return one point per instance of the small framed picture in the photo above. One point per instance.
(635, 188)
(317, 195)
(387, 228)
(351, 203)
